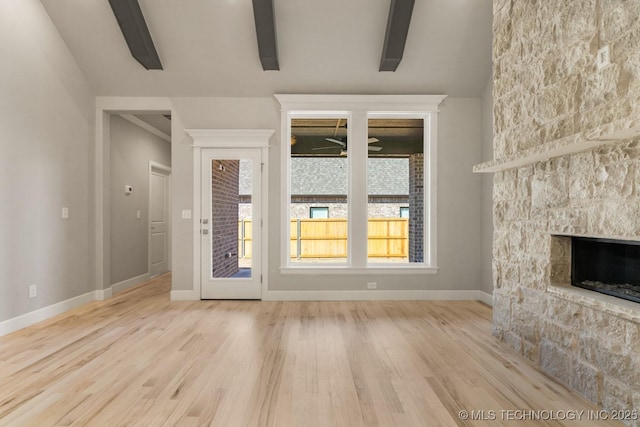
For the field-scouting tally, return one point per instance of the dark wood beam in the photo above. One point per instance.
(135, 32)
(396, 35)
(266, 33)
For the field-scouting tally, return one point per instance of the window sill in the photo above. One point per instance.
(345, 270)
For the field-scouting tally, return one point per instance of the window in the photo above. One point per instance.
(395, 149)
(318, 212)
(371, 160)
(319, 164)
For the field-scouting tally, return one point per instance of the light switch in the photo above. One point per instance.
(186, 214)
(138, 214)
(65, 213)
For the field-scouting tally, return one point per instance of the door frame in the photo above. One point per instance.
(165, 170)
(106, 106)
(236, 139)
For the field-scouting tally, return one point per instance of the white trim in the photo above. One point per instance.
(129, 283)
(134, 104)
(103, 294)
(572, 144)
(358, 108)
(367, 295)
(159, 167)
(485, 297)
(264, 256)
(188, 295)
(391, 103)
(357, 194)
(196, 216)
(102, 226)
(314, 269)
(430, 190)
(146, 126)
(285, 187)
(230, 138)
(44, 313)
(105, 106)
(233, 139)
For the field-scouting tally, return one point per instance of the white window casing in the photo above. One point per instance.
(358, 109)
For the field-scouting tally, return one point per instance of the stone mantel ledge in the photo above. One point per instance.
(622, 308)
(572, 144)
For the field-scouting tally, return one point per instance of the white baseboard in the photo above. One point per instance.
(126, 284)
(103, 294)
(189, 295)
(485, 298)
(407, 295)
(417, 295)
(44, 313)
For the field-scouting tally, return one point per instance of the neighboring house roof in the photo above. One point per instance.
(328, 176)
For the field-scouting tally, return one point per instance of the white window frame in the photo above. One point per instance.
(358, 109)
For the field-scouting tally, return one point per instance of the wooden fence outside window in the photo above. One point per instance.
(327, 238)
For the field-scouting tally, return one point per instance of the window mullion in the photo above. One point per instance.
(358, 189)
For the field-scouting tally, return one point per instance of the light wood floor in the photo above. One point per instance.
(141, 360)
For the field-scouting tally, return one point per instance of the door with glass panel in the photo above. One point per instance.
(231, 224)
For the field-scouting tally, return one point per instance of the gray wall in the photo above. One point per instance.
(46, 138)
(487, 189)
(459, 194)
(131, 149)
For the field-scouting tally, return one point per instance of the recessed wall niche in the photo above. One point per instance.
(560, 260)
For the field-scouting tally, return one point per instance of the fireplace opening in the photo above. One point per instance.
(608, 266)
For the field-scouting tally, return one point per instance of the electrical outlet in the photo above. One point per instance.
(602, 58)
(372, 285)
(33, 291)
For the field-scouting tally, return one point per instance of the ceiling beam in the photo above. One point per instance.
(135, 32)
(396, 36)
(266, 33)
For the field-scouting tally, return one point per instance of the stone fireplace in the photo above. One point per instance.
(566, 164)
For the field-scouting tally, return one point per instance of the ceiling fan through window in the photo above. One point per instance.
(343, 144)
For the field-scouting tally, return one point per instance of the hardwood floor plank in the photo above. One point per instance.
(139, 359)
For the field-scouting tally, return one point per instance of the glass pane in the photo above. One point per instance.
(395, 191)
(318, 217)
(317, 212)
(231, 226)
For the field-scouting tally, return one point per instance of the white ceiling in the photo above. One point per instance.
(209, 48)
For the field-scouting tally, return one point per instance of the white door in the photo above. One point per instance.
(231, 224)
(158, 221)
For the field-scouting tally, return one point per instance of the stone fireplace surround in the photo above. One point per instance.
(566, 148)
(587, 340)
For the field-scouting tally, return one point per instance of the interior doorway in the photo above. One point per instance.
(136, 181)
